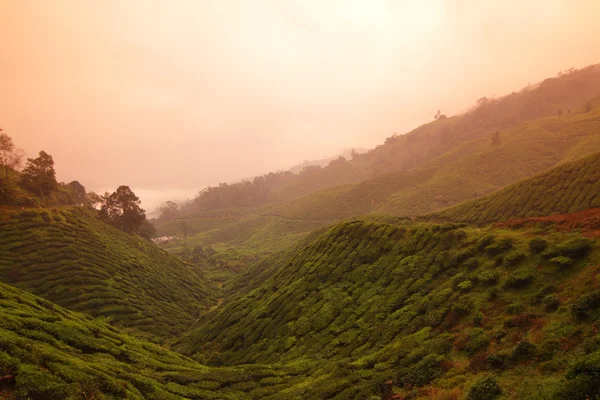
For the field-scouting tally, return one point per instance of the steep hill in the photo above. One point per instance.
(71, 258)
(469, 170)
(436, 309)
(48, 352)
(569, 187)
(565, 94)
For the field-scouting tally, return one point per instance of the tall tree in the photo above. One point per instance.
(78, 192)
(10, 156)
(169, 210)
(39, 175)
(122, 210)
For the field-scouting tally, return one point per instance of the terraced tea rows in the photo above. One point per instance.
(71, 258)
(574, 186)
(416, 304)
(47, 352)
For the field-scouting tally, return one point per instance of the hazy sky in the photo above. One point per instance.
(179, 94)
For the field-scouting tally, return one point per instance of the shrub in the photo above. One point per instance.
(465, 285)
(580, 309)
(489, 278)
(523, 350)
(422, 372)
(471, 264)
(543, 292)
(551, 302)
(573, 248)
(462, 306)
(519, 278)
(484, 389)
(498, 247)
(583, 379)
(514, 257)
(562, 261)
(537, 245)
(515, 308)
(497, 360)
(485, 241)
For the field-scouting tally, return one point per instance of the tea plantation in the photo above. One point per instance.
(574, 186)
(71, 258)
(443, 309)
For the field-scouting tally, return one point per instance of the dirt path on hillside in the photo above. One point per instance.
(587, 221)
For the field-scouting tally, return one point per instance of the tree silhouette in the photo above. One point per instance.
(39, 175)
(122, 210)
(10, 156)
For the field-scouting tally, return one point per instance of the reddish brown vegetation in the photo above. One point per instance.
(587, 221)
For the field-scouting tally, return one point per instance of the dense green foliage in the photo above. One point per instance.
(569, 187)
(70, 257)
(416, 304)
(58, 354)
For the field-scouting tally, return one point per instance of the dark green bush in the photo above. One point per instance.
(583, 379)
(489, 278)
(498, 247)
(515, 308)
(581, 308)
(471, 264)
(574, 248)
(514, 257)
(537, 245)
(484, 389)
(551, 302)
(422, 372)
(523, 351)
(462, 307)
(519, 279)
(497, 360)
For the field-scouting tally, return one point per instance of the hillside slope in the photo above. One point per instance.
(469, 170)
(570, 187)
(71, 258)
(434, 308)
(567, 92)
(47, 352)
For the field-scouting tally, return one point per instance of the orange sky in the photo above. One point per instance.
(179, 94)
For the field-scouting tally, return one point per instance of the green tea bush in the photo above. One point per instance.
(489, 278)
(583, 379)
(573, 248)
(562, 261)
(537, 245)
(498, 247)
(519, 279)
(551, 302)
(465, 285)
(515, 308)
(582, 307)
(485, 388)
(514, 257)
(523, 351)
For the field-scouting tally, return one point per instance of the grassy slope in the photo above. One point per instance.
(54, 353)
(569, 187)
(414, 303)
(419, 149)
(69, 257)
(416, 148)
(470, 170)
